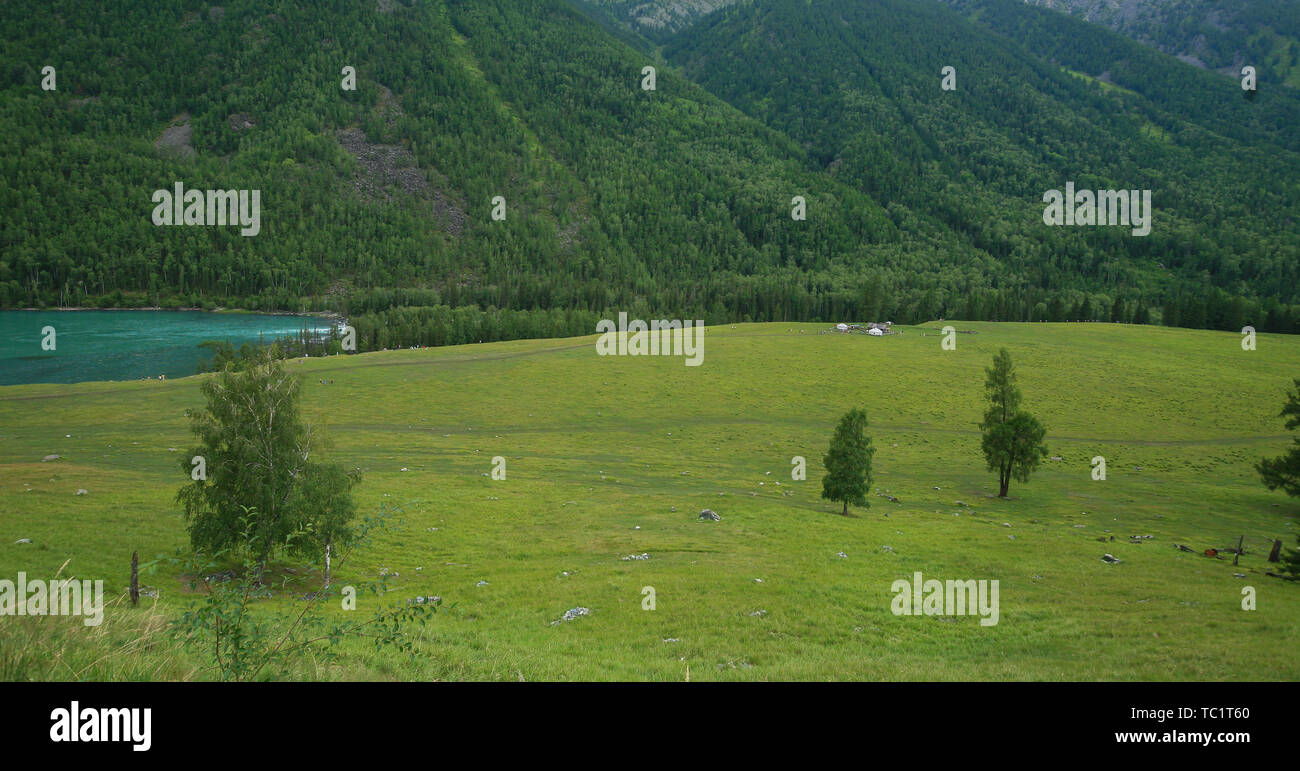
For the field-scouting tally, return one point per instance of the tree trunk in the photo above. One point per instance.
(846, 509)
(1005, 483)
(264, 559)
(328, 544)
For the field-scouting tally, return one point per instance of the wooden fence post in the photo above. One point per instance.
(1237, 556)
(135, 578)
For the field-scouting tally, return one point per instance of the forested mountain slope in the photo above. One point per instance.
(670, 202)
(615, 197)
(859, 85)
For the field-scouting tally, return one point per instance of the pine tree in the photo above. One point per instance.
(848, 462)
(1013, 439)
(1284, 471)
(1141, 315)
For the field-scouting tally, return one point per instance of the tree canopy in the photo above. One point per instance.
(256, 477)
(1012, 439)
(848, 462)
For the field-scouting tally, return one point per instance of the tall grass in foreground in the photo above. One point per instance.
(130, 644)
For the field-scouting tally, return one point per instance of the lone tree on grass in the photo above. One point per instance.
(261, 489)
(1013, 439)
(848, 462)
(1284, 471)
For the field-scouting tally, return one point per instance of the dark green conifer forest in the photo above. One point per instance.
(376, 203)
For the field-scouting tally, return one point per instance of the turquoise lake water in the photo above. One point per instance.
(126, 345)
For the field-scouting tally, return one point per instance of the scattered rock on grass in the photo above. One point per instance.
(1111, 558)
(571, 614)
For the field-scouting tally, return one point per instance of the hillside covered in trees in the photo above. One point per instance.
(674, 202)
(859, 86)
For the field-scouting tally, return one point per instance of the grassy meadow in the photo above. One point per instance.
(612, 456)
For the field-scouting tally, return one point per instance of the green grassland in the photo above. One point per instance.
(597, 447)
